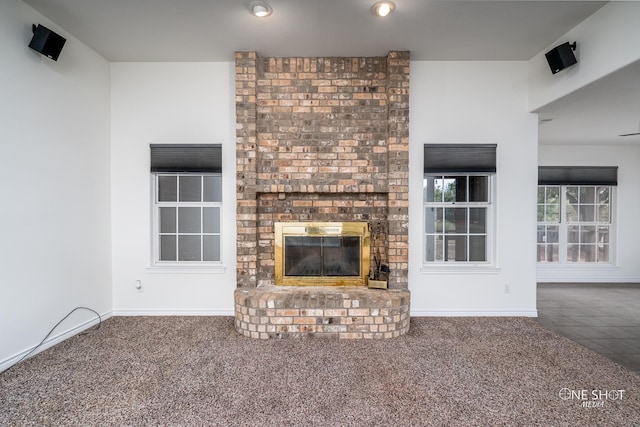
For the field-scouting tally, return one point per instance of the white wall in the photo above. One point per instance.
(193, 102)
(625, 267)
(54, 182)
(477, 102)
(607, 41)
(177, 103)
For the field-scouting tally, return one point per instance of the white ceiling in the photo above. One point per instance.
(597, 113)
(212, 30)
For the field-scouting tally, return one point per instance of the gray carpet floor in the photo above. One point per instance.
(199, 371)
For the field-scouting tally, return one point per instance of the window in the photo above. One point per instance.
(456, 218)
(187, 202)
(574, 223)
(187, 210)
(458, 212)
(575, 214)
(548, 223)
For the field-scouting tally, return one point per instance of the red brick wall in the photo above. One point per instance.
(323, 139)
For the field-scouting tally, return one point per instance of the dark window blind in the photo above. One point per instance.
(450, 158)
(577, 175)
(186, 158)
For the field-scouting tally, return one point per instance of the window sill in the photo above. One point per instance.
(459, 269)
(186, 269)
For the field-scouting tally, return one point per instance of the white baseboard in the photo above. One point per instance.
(473, 313)
(173, 313)
(52, 340)
(589, 279)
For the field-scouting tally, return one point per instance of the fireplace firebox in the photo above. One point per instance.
(322, 253)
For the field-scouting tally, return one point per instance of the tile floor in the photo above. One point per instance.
(602, 317)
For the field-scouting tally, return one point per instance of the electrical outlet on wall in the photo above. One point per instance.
(138, 285)
(507, 288)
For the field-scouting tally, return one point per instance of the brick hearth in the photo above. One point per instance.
(321, 312)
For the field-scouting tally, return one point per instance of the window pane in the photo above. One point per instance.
(461, 189)
(553, 234)
(603, 213)
(477, 248)
(540, 213)
(587, 213)
(167, 248)
(588, 234)
(587, 253)
(189, 248)
(603, 253)
(211, 248)
(587, 194)
(553, 195)
(603, 234)
(541, 194)
(552, 213)
(478, 188)
(430, 251)
(439, 248)
(167, 188)
(433, 220)
(572, 253)
(477, 220)
(212, 188)
(438, 189)
(189, 220)
(603, 195)
(431, 193)
(542, 235)
(573, 234)
(540, 253)
(434, 248)
(456, 248)
(190, 188)
(211, 220)
(572, 213)
(455, 220)
(552, 253)
(449, 189)
(167, 220)
(439, 220)
(572, 195)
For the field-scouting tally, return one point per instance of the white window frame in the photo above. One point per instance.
(564, 223)
(472, 266)
(158, 265)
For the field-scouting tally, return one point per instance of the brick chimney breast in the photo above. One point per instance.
(320, 139)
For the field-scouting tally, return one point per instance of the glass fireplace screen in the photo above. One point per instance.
(321, 256)
(322, 253)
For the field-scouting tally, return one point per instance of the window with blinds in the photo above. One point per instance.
(187, 202)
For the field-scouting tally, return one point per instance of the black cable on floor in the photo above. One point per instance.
(53, 329)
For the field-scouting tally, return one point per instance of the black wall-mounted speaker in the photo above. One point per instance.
(561, 57)
(47, 42)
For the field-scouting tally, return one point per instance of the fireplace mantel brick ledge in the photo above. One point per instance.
(321, 312)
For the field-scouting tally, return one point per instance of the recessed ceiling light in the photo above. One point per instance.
(383, 8)
(260, 9)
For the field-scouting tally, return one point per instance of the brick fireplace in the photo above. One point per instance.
(320, 139)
